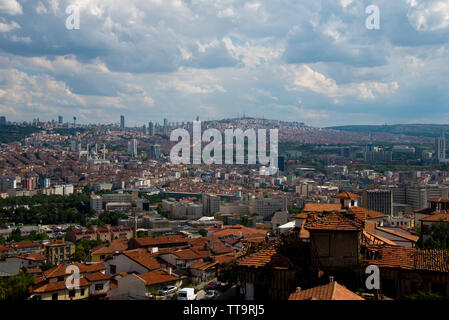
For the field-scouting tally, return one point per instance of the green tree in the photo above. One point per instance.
(15, 236)
(227, 273)
(17, 286)
(244, 221)
(202, 232)
(438, 236)
(422, 295)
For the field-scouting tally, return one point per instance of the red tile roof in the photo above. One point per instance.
(407, 236)
(119, 245)
(34, 271)
(97, 276)
(437, 217)
(143, 258)
(330, 291)
(346, 195)
(157, 277)
(60, 270)
(334, 222)
(187, 254)
(57, 286)
(412, 259)
(202, 264)
(150, 241)
(363, 213)
(269, 257)
(320, 207)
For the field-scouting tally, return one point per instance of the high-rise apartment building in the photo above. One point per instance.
(60, 119)
(122, 122)
(2, 121)
(440, 148)
(155, 151)
(380, 200)
(151, 129)
(211, 204)
(132, 147)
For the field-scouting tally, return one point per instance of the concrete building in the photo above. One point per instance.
(211, 204)
(7, 183)
(132, 148)
(267, 206)
(440, 148)
(96, 203)
(151, 129)
(380, 200)
(155, 151)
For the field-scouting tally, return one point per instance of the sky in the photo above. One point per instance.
(312, 61)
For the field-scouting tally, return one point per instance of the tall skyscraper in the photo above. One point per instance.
(165, 123)
(440, 148)
(144, 129)
(60, 119)
(122, 122)
(150, 129)
(155, 151)
(132, 148)
(2, 121)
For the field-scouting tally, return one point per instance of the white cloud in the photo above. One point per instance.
(305, 78)
(7, 27)
(11, 7)
(429, 15)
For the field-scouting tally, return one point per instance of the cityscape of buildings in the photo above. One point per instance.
(107, 200)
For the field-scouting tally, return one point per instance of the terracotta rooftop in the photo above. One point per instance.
(442, 215)
(97, 276)
(269, 257)
(57, 286)
(34, 271)
(119, 245)
(31, 257)
(439, 200)
(363, 213)
(157, 277)
(202, 264)
(143, 258)
(150, 241)
(334, 222)
(369, 238)
(187, 254)
(60, 270)
(320, 207)
(412, 259)
(236, 230)
(330, 291)
(407, 236)
(346, 196)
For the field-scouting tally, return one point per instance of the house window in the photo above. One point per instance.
(72, 293)
(60, 278)
(54, 296)
(113, 269)
(102, 257)
(82, 291)
(99, 286)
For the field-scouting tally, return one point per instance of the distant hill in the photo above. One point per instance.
(12, 133)
(423, 130)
